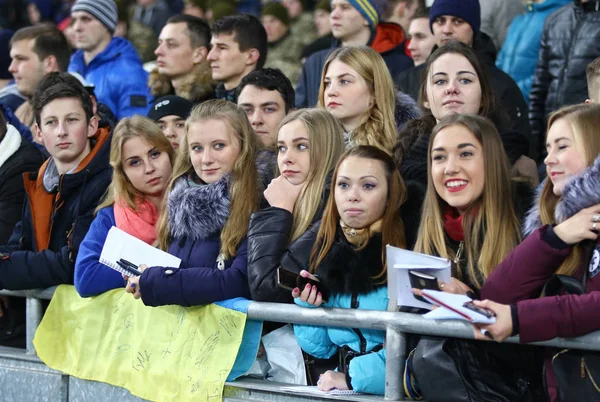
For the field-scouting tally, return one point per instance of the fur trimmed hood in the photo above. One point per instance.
(406, 109)
(582, 191)
(347, 270)
(198, 87)
(201, 211)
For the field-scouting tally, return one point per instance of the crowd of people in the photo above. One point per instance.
(249, 137)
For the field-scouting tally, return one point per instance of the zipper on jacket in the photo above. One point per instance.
(461, 247)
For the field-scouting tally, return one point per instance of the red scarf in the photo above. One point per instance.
(453, 224)
(139, 223)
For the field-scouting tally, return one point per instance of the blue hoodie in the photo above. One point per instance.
(519, 54)
(119, 79)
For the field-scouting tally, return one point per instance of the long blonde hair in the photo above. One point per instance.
(326, 137)
(490, 226)
(584, 120)
(378, 124)
(392, 228)
(245, 187)
(120, 188)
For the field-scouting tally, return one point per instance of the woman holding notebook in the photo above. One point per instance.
(562, 229)
(345, 253)
(142, 159)
(216, 185)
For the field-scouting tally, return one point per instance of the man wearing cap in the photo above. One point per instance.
(170, 112)
(354, 23)
(461, 20)
(110, 64)
(284, 48)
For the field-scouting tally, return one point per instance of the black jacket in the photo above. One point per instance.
(570, 41)
(27, 158)
(43, 247)
(507, 92)
(269, 248)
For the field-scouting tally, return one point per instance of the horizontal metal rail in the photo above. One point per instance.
(396, 325)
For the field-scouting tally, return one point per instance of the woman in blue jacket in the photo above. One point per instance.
(215, 188)
(142, 159)
(346, 251)
(519, 54)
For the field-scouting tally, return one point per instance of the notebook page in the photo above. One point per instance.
(120, 244)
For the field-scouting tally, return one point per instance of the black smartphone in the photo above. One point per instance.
(421, 280)
(471, 306)
(289, 280)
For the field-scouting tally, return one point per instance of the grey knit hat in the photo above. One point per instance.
(103, 10)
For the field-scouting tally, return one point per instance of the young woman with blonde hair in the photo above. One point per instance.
(216, 186)
(357, 88)
(309, 144)
(562, 230)
(472, 208)
(142, 159)
(345, 253)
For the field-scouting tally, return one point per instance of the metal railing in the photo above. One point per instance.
(396, 325)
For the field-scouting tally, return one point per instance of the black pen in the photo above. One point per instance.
(129, 267)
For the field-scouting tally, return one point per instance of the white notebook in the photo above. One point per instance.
(120, 244)
(399, 262)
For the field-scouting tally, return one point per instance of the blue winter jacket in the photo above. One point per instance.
(91, 277)
(348, 275)
(519, 54)
(119, 79)
(197, 215)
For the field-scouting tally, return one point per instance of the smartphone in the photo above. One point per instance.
(471, 306)
(289, 280)
(421, 280)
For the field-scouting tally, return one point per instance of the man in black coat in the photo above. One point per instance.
(461, 20)
(570, 41)
(17, 156)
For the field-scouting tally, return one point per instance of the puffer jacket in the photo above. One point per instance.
(570, 41)
(43, 247)
(119, 79)
(388, 41)
(519, 54)
(347, 273)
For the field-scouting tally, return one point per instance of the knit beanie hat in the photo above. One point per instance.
(222, 10)
(170, 105)
(370, 9)
(324, 5)
(103, 10)
(5, 36)
(278, 11)
(468, 10)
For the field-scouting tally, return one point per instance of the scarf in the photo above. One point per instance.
(360, 237)
(453, 224)
(10, 144)
(139, 223)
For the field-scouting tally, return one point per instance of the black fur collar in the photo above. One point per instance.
(346, 270)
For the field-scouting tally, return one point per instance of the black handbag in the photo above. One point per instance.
(577, 372)
(456, 370)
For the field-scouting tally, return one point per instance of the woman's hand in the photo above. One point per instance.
(133, 283)
(282, 194)
(584, 225)
(332, 380)
(502, 328)
(310, 293)
(454, 286)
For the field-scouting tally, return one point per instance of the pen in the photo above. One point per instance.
(129, 267)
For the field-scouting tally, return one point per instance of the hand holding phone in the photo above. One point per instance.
(421, 280)
(290, 280)
(480, 310)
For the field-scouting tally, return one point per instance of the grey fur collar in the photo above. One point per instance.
(406, 109)
(197, 212)
(583, 191)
